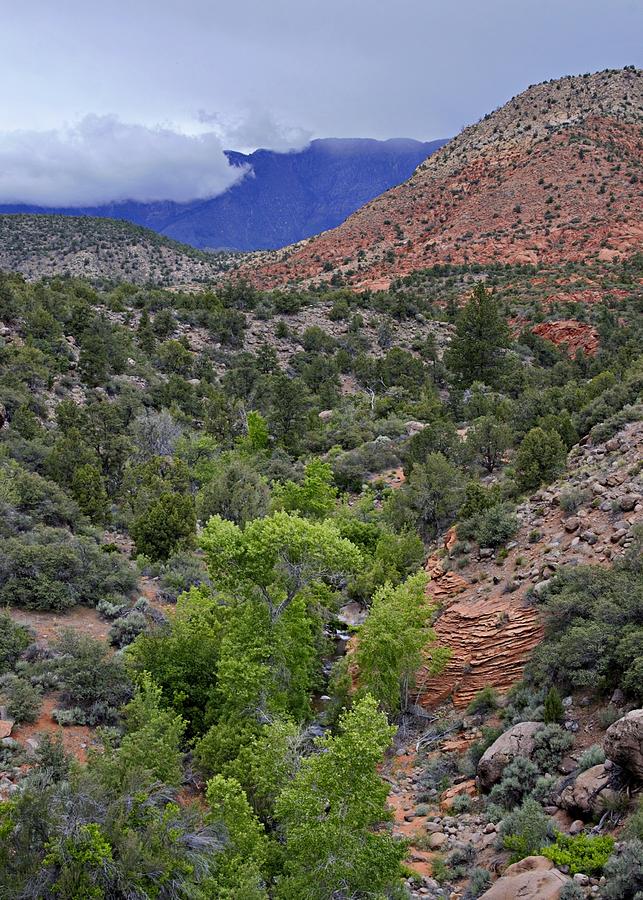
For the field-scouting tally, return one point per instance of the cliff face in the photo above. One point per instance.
(553, 175)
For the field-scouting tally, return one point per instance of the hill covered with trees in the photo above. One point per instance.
(45, 245)
(207, 495)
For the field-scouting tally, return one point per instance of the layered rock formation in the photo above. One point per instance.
(487, 618)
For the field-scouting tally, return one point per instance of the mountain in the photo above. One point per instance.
(553, 175)
(283, 198)
(42, 245)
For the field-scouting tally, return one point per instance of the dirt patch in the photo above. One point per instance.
(48, 626)
(77, 739)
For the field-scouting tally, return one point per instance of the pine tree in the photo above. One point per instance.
(145, 334)
(481, 335)
(554, 709)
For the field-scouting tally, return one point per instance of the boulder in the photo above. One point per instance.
(438, 841)
(533, 878)
(447, 797)
(624, 743)
(518, 741)
(5, 727)
(588, 793)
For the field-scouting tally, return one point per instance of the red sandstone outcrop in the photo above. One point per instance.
(575, 335)
(553, 175)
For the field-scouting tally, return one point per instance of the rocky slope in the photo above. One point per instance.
(39, 245)
(553, 175)
(488, 620)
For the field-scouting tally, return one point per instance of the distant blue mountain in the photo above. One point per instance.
(284, 198)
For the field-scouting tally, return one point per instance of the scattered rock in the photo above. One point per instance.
(589, 791)
(438, 841)
(572, 524)
(448, 796)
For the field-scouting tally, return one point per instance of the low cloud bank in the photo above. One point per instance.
(104, 160)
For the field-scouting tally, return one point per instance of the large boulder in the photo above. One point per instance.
(587, 793)
(624, 743)
(518, 741)
(533, 878)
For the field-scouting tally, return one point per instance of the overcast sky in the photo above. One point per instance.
(138, 98)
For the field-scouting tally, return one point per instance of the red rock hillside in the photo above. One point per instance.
(555, 174)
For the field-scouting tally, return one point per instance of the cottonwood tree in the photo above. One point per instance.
(391, 641)
(331, 814)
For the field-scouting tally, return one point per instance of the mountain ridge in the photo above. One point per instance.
(284, 197)
(522, 185)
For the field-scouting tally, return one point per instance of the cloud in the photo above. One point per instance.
(103, 160)
(256, 128)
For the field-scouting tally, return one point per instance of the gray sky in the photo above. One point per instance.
(138, 98)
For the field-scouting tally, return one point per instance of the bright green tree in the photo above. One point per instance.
(239, 868)
(391, 641)
(275, 558)
(182, 658)
(314, 498)
(154, 734)
(331, 814)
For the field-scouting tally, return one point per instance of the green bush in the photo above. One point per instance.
(554, 711)
(492, 527)
(540, 457)
(551, 742)
(479, 882)
(593, 635)
(518, 781)
(580, 853)
(526, 830)
(634, 827)
(127, 628)
(461, 804)
(593, 756)
(484, 701)
(49, 568)
(23, 700)
(624, 873)
(572, 891)
(88, 673)
(168, 525)
(14, 639)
